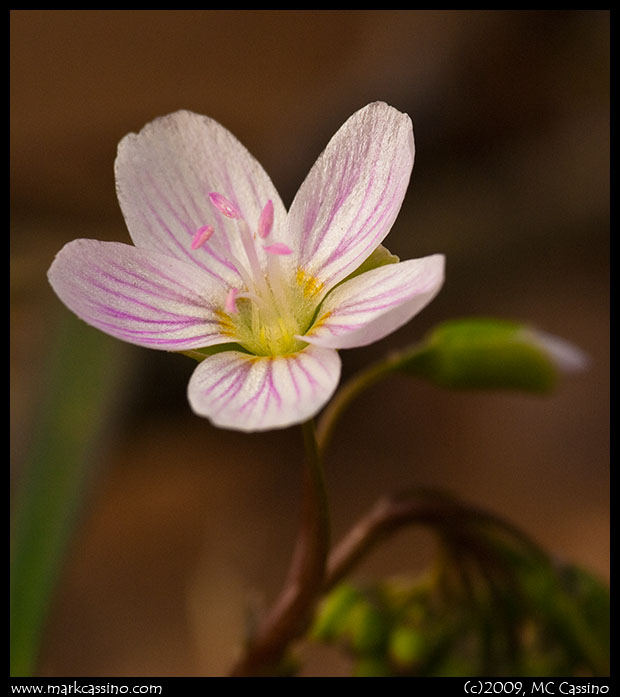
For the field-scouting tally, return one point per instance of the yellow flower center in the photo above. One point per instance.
(269, 314)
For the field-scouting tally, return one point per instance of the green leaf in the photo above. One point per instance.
(576, 611)
(83, 373)
(495, 604)
(372, 667)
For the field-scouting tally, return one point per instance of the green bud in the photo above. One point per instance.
(406, 646)
(367, 628)
(334, 612)
(478, 353)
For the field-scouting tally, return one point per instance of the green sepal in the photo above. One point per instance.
(380, 257)
(202, 353)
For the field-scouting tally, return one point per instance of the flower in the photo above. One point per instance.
(220, 269)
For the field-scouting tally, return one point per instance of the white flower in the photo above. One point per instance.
(220, 268)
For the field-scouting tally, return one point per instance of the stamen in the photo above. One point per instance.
(250, 251)
(265, 222)
(201, 236)
(265, 321)
(230, 304)
(224, 206)
(278, 248)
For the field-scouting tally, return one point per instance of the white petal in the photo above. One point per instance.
(566, 357)
(256, 393)
(138, 296)
(353, 193)
(164, 175)
(376, 303)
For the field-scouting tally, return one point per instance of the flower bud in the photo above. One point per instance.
(476, 353)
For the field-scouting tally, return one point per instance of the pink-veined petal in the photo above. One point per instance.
(139, 296)
(255, 393)
(352, 195)
(164, 177)
(376, 303)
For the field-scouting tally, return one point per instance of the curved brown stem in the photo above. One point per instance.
(391, 513)
(289, 615)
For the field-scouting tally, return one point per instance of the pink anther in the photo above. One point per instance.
(224, 206)
(265, 222)
(201, 236)
(278, 248)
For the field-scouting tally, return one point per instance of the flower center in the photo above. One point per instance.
(268, 311)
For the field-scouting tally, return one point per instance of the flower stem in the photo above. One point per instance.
(349, 392)
(289, 615)
(420, 506)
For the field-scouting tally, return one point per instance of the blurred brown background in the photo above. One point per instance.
(187, 525)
